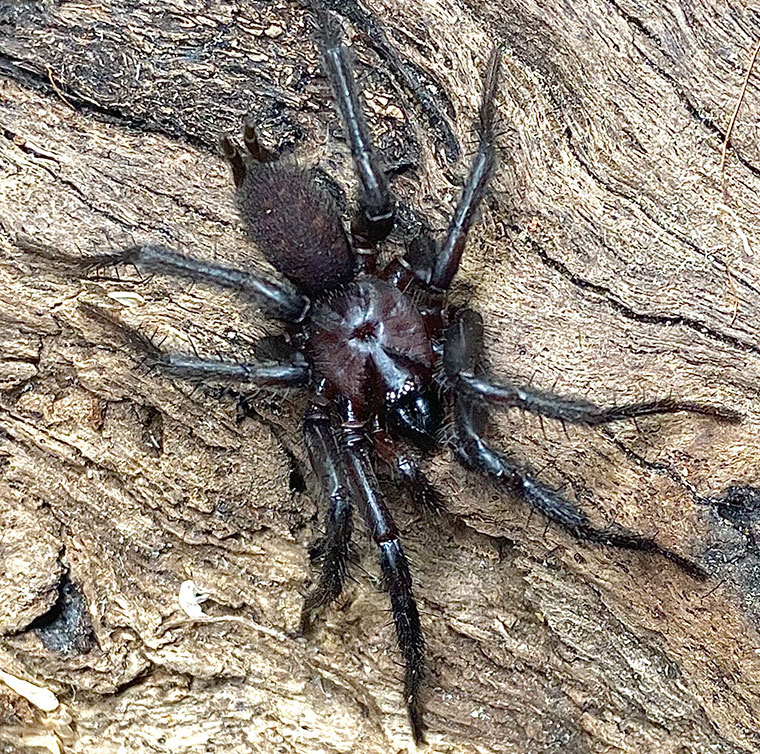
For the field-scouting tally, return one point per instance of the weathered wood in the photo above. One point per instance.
(612, 260)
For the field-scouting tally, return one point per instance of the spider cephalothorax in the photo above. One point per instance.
(385, 360)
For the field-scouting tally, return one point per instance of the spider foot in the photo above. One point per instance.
(91, 265)
(619, 536)
(475, 453)
(398, 582)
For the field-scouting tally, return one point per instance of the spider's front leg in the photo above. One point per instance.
(357, 448)
(463, 339)
(475, 453)
(333, 548)
(461, 350)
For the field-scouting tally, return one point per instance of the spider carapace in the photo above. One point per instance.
(385, 359)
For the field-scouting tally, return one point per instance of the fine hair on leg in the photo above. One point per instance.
(333, 548)
(395, 568)
(481, 168)
(277, 298)
(475, 453)
(462, 343)
(375, 219)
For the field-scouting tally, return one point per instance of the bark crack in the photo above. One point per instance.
(694, 111)
(666, 320)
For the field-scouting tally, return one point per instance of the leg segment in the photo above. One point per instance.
(286, 369)
(333, 549)
(272, 374)
(375, 219)
(450, 254)
(357, 447)
(462, 346)
(277, 298)
(474, 453)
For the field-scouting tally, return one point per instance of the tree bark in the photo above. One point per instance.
(614, 260)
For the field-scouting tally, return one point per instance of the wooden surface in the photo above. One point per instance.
(613, 261)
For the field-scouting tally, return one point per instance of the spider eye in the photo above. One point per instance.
(416, 415)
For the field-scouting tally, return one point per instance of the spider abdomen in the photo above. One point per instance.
(296, 225)
(369, 342)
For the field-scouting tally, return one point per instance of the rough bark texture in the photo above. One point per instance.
(612, 262)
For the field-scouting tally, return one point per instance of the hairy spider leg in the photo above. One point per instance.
(475, 453)
(357, 449)
(332, 549)
(460, 363)
(448, 257)
(375, 219)
(277, 298)
(461, 352)
(263, 374)
(275, 369)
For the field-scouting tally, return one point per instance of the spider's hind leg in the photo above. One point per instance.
(376, 215)
(277, 298)
(439, 271)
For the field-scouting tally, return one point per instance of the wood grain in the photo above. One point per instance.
(612, 261)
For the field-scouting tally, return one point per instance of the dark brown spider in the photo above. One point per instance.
(384, 358)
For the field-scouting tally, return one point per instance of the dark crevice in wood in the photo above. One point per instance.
(694, 111)
(666, 320)
(22, 72)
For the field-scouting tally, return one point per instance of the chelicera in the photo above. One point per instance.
(386, 361)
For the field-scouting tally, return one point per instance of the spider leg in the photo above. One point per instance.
(448, 257)
(284, 368)
(333, 549)
(276, 297)
(462, 345)
(263, 374)
(357, 449)
(375, 219)
(475, 453)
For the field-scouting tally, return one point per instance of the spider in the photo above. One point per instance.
(386, 360)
